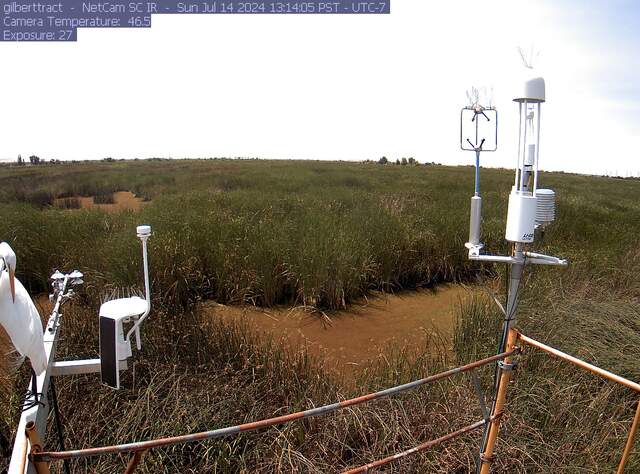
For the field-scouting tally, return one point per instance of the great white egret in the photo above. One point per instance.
(19, 316)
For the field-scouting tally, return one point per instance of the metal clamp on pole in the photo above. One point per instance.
(506, 366)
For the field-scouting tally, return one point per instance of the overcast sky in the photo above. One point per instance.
(331, 87)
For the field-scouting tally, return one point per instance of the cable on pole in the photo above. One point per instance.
(56, 416)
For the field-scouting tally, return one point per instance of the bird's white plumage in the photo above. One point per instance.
(20, 318)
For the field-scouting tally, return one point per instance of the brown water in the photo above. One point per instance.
(362, 333)
(345, 339)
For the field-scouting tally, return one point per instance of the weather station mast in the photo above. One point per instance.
(530, 210)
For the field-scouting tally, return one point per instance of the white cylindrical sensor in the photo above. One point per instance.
(521, 218)
(474, 220)
(143, 230)
(531, 154)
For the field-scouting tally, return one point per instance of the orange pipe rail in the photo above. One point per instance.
(23, 451)
(580, 363)
(630, 439)
(233, 430)
(417, 449)
(36, 447)
(602, 373)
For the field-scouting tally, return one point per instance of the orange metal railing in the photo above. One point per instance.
(515, 338)
(602, 373)
(515, 342)
(45, 457)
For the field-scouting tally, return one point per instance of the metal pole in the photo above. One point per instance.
(517, 270)
(133, 462)
(136, 327)
(39, 412)
(535, 176)
(477, 184)
(524, 149)
(515, 183)
(486, 458)
(41, 467)
(629, 446)
(145, 262)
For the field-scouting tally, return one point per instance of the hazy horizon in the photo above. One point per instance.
(612, 174)
(332, 87)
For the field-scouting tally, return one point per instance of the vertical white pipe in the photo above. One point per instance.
(136, 326)
(475, 219)
(146, 289)
(524, 148)
(146, 271)
(515, 183)
(535, 176)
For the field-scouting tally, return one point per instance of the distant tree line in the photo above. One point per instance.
(400, 161)
(35, 160)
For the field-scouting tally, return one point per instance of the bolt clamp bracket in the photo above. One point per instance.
(505, 366)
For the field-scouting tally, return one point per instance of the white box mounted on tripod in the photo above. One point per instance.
(115, 345)
(521, 217)
(114, 348)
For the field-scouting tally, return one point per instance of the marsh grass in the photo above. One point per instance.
(323, 235)
(253, 232)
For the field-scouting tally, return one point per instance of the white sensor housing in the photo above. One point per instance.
(143, 231)
(530, 159)
(532, 91)
(475, 221)
(521, 217)
(545, 207)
